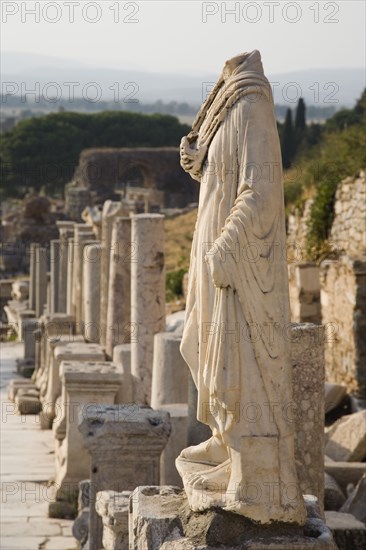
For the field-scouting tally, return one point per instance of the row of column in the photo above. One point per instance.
(114, 289)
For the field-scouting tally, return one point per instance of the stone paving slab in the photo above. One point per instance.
(26, 466)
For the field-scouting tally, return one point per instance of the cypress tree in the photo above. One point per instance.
(287, 140)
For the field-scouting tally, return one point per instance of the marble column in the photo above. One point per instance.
(147, 298)
(66, 230)
(119, 288)
(82, 233)
(125, 443)
(41, 280)
(111, 210)
(70, 309)
(91, 292)
(170, 371)
(55, 271)
(32, 276)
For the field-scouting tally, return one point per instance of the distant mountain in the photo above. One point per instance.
(323, 87)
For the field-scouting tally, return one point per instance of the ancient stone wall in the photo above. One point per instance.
(343, 305)
(348, 231)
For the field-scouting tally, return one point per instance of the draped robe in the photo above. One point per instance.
(237, 311)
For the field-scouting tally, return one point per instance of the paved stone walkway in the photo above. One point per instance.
(26, 465)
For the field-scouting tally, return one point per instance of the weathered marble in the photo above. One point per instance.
(83, 235)
(122, 357)
(86, 385)
(32, 276)
(111, 210)
(66, 231)
(91, 292)
(147, 298)
(55, 275)
(41, 280)
(170, 371)
(118, 330)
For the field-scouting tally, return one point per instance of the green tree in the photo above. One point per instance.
(287, 140)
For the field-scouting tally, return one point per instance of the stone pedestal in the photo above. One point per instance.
(66, 351)
(170, 371)
(119, 290)
(122, 357)
(91, 292)
(41, 280)
(111, 210)
(113, 507)
(307, 357)
(160, 519)
(86, 386)
(147, 298)
(125, 443)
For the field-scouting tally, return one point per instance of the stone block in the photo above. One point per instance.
(27, 404)
(349, 533)
(334, 497)
(17, 383)
(113, 508)
(346, 472)
(346, 439)
(356, 502)
(334, 395)
(161, 519)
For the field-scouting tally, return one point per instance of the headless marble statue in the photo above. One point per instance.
(234, 339)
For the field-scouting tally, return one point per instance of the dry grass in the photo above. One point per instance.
(178, 240)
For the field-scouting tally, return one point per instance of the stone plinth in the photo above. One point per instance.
(113, 507)
(119, 290)
(125, 443)
(147, 298)
(170, 371)
(348, 532)
(307, 357)
(160, 519)
(91, 292)
(86, 385)
(111, 210)
(66, 351)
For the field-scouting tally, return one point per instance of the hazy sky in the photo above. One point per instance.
(189, 37)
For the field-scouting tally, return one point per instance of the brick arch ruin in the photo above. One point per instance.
(102, 171)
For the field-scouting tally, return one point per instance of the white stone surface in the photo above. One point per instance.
(147, 298)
